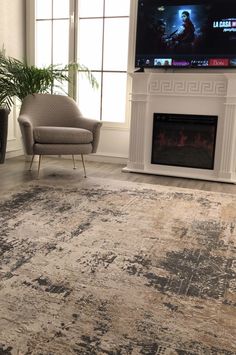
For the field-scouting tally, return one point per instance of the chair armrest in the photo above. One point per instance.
(26, 128)
(92, 125)
(24, 120)
(88, 124)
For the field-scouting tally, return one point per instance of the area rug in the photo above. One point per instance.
(108, 267)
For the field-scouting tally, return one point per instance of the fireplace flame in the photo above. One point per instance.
(185, 139)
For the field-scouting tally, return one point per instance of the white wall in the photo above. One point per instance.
(114, 143)
(12, 27)
(12, 37)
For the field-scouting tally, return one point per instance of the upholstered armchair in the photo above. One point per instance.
(54, 125)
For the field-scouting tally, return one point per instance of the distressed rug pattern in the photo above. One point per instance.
(108, 267)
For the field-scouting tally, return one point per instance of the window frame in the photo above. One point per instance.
(74, 28)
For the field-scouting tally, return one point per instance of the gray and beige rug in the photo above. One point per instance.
(105, 267)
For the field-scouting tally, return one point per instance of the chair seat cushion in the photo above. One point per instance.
(62, 135)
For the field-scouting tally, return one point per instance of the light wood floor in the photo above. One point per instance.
(15, 172)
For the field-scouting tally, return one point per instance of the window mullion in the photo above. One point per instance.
(72, 55)
(30, 31)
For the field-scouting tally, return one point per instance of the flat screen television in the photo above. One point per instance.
(186, 34)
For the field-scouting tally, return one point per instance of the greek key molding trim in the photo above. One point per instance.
(188, 87)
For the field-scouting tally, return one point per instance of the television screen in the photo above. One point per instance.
(186, 34)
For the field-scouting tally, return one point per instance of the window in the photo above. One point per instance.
(52, 30)
(103, 46)
(102, 31)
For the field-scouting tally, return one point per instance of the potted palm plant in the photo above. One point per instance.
(19, 79)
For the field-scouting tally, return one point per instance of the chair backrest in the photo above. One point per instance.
(50, 110)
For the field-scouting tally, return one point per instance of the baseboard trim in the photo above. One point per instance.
(106, 158)
(100, 158)
(14, 153)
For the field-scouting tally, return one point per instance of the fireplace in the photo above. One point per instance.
(202, 94)
(184, 140)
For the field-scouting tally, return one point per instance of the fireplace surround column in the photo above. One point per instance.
(228, 162)
(139, 98)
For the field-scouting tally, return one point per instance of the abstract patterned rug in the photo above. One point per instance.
(108, 267)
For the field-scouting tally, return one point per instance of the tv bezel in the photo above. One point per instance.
(179, 67)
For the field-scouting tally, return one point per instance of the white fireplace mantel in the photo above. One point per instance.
(186, 93)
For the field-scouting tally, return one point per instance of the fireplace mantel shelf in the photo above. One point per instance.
(183, 93)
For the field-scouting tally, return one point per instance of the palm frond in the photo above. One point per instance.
(18, 79)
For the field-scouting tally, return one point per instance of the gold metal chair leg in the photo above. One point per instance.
(82, 157)
(31, 163)
(73, 158)
(40, 158)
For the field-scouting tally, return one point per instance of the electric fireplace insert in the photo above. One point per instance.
(184, 140)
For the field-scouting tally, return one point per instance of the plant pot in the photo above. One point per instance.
(3, 133)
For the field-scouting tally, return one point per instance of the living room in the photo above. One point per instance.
(139, 256)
